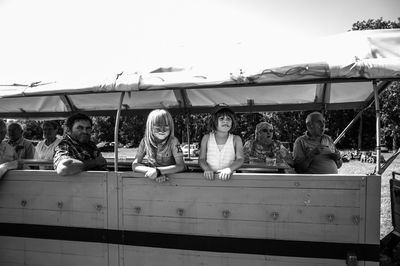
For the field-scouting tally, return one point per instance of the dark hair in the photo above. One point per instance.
(52, 123)
(224, 111)
(77, 117)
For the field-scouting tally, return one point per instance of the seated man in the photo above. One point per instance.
(23, 147)
(263, 149)
(76, 152)
(8, 157)
(315, 152)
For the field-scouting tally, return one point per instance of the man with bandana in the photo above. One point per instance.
(76, 152)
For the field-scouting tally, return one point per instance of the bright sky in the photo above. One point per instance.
(47, 39)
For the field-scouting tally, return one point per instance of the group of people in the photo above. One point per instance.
(222, 152)
(160, 154)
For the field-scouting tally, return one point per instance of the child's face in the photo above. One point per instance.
(224, 123)
(161, 131)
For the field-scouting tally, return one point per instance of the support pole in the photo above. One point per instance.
(349, 126)
(378, 127)
(116, 129)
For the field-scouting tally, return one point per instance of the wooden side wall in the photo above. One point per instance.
(327, 209)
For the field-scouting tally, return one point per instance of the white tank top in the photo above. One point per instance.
(219, 159)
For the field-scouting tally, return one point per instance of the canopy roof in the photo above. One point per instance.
(333, 73)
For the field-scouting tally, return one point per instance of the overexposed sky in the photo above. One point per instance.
(50, 39)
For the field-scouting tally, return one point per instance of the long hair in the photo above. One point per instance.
(152, 144)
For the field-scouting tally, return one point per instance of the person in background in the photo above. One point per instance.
(263, 147)
(76, 152)
(8, 157)
(162, 148)
(45, 149)
(221, 152)
(23, 147)
(315, 152)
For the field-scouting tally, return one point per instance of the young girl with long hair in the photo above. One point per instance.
(221, 152)
(164, 155)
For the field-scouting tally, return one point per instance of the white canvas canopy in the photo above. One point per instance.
(332, 73)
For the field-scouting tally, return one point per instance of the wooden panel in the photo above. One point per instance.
(257, 180)
(242, 212)
(43, 197)
(26, 251)
(270, 206)
(250, 195)
(372, 206)
(249, 229)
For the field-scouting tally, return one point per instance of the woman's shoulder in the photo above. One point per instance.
(236, 137)
(174, 140)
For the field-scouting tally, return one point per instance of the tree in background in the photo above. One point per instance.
(389, 99)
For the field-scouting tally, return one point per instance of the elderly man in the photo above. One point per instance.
(8, 157)
(23, 147)
(76, 152)
(315, 152)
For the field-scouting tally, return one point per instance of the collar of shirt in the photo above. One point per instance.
(17, 142)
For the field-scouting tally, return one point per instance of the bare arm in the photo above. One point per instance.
(4, 167)
(239, 159)
(208, 172)
(69, 166)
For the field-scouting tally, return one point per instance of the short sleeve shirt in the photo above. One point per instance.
(68, 148)
(24, 148)
(322, 163)
(165, 158)
(7, 153)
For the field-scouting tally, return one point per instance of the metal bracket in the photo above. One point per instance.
(351, 259)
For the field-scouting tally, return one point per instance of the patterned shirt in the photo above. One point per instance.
(276, 150)
(69, 148)
(321, 163)
(163, 158)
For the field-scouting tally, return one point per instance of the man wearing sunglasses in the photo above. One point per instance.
(315, 152)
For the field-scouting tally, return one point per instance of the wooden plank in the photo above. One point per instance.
(313, 197)
(255, 180)
(157, 256)
(76, 219)
(65, 203)
(372, 206)
(50, 175)
(113, 217)
(39, 187)
(242, 212)
(248, 229)
(27, 251)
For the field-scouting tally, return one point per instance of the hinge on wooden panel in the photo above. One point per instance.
(351, 259)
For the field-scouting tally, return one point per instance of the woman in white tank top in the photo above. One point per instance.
(221, 152)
